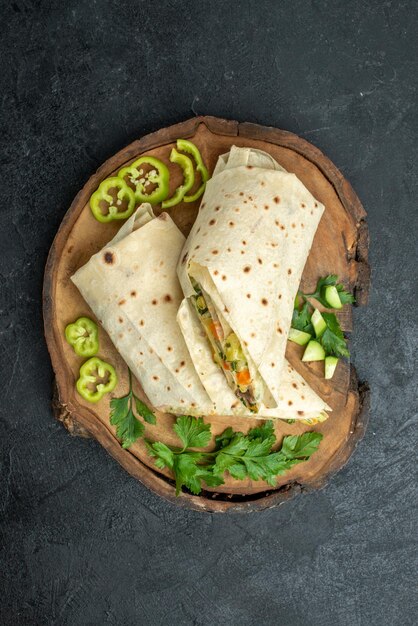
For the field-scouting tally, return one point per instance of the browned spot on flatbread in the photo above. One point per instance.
(133, 294)
(169, 348)
(215, 251)
(301, 413)
(290, 403)
(294, 385)
(184, 259)
(154, 302)
(264, 301)
(122, 302)
(212, 222)
(289, 271)
(247, 269)
(167, 298)
(276, 199)
(260, 261)
(120, 320)
(109, 257)
(155, 377)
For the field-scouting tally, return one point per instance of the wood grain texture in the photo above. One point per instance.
(340, 246)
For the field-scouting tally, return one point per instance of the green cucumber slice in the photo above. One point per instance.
(299, 336)
(318, 323)
(331, 363)
(314, 352)
(332, 297)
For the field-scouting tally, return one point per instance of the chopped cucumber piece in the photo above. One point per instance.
(332, 297)
(318, 323)
(331, 363)
(299, 336)
(314, 352)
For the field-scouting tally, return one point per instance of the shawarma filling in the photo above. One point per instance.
(227, 350)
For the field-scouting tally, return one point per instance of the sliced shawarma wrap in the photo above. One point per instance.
(241, 267)
(132, 287)
(297, 400)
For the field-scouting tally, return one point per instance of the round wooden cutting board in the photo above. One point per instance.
(340, 246)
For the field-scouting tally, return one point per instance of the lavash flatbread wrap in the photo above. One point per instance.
(241, 267)
(132, 288)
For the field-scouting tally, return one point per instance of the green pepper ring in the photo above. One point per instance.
(83, 337)
(124, 191)
(188, 146)
(87, 377)
(161, 179)
(186, 165)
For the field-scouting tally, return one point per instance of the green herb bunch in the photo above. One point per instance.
(243, 456)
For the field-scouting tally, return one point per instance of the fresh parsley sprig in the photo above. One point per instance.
(327, 281)
(241, 455)
(332, 339)
(122, 415)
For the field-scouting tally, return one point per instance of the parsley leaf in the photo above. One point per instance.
(332, 339)
(301, 319)
(144, 411)
(128, 426)
(241, 455)
(302, 446)
(194, 433)
(345, 296)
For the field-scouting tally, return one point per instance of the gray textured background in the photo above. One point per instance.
(83, 543)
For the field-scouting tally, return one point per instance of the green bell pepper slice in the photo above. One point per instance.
(188, 146)
(119, 207)
(186, 165)
(136, 175)
(83, 336)
(96, 379)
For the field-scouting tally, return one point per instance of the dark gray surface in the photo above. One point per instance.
(82, 542)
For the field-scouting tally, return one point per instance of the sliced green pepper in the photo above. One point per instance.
(186, 165)
(83, 336)
(119, 207)
(96, 379)
(188, 146)
(137, 176)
